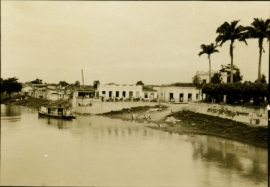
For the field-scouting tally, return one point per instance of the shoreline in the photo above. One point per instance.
(183, 122)
(180, 122)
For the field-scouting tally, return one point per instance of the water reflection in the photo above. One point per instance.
(54, 122)
(115, 152)
(231, 156)
(10, 110)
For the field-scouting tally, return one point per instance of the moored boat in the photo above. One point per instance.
(56, 112)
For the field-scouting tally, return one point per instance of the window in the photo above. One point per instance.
(117, 94)
(204, 81)
(124, 94)
(152, 95)
(197, 96)
(104, 92)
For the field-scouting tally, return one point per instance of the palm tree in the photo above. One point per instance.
(208, 49)
(259, 29)
(230, 32)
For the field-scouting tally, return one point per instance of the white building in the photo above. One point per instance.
(205, 76)
(178, 93)
(111, 91)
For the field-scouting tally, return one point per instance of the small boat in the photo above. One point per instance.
(55, 112)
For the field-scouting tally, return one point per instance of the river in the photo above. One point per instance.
(98, 151)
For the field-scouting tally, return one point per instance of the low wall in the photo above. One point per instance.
(238, 113)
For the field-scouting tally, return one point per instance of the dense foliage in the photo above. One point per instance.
(10, 85)
(236, 72)
(246, 93)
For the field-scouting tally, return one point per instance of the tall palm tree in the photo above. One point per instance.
(259, 29)
(230, 32)
(208, 49)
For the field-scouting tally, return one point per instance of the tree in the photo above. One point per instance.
(77, 83)
(139, 83)
(259, 29)
(96, 83)
(37, 81)
(263, 79)
(236, 72)
(63, 83)
(230, 32)
(10, 85)
(216, 79)
(1, 87)
(198, 83)
(208, 49)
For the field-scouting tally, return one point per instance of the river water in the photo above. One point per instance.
(94, 150)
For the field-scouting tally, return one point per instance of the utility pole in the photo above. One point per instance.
(82, 78)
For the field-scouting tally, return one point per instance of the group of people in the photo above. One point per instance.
(133, 116)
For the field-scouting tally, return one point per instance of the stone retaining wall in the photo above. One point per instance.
(251, 115)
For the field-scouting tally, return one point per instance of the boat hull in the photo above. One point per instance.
(55, 116)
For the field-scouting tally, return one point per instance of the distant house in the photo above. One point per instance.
(57, 94)
(39, 92)
(178, 92)
(26, 90)
(205, 76)
(84, 92)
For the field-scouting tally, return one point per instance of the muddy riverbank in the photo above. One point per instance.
(191, 122)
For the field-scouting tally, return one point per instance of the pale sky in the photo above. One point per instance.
(123, 42)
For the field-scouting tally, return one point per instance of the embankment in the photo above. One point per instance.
(191, 122)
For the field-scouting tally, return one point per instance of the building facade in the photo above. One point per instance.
(178, 94)
(116, 91)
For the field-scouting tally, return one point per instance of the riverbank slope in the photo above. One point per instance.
(184, 121)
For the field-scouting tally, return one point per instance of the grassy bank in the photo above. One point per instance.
(191, 122)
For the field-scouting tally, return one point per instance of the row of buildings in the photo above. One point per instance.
(179, 92)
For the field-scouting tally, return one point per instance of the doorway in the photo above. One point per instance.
(189, 97)
(171, 97)
(181, 97)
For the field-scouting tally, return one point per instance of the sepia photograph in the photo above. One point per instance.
(135, 93)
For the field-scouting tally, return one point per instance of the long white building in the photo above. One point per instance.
(119, 91)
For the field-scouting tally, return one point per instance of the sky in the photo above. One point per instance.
(123, 42)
